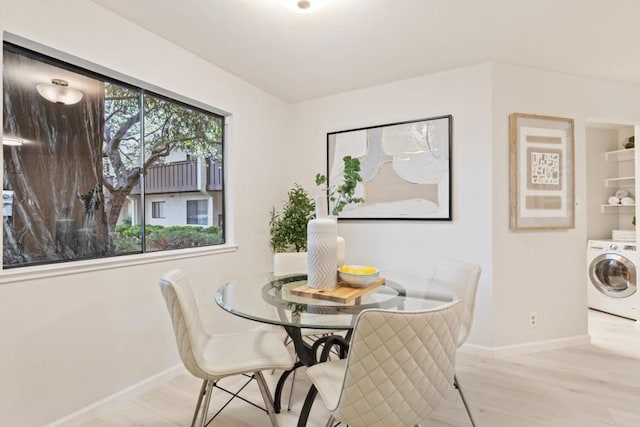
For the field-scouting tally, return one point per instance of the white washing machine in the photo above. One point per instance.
(611, 275)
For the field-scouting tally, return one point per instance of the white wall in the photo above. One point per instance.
(70, 340)
(541, 272)
(410, 246)
(545, 272)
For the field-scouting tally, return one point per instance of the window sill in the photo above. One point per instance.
(86, 266)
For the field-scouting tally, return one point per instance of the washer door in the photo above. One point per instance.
(614, 275)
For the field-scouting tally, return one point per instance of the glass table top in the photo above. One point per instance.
(267, 299)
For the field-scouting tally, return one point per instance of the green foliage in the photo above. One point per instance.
(168, 127)
(183, 237)
(344, 194)
(127, 237)
(126, 244)
(289, 229)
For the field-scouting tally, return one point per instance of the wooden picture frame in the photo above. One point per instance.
(541, 172)
(405, 167)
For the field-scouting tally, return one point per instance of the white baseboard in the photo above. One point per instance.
(110, 402)
(478, 350)
(531, 347)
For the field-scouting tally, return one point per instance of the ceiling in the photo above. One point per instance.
(351, 44)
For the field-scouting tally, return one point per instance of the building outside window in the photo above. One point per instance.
(197, 212)
(157, 209)
(75, 147)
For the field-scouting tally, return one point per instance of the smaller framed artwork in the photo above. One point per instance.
(541, 178)
(405, 169)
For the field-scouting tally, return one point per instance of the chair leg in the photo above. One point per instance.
(330, 421)
(293, 383)
(203, 390)
(207, 401)
(456, 384)
(268, 401)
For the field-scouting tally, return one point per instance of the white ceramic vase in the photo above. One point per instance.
(322, 248)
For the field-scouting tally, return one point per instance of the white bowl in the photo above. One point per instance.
(358, 280)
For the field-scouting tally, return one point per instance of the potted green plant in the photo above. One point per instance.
(288, 231)
(340, 196)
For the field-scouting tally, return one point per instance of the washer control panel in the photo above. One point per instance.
(614, 246)
(621, 247)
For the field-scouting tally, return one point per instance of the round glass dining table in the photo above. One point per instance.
(269, 299)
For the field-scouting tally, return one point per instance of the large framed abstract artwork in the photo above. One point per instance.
(405, 169)
(541, 172)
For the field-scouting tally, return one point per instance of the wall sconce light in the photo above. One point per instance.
(9, 140)
(59, 92)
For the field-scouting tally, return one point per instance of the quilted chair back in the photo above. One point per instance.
(288, 263)
(461, 277)
(399, 367)
(189, 332)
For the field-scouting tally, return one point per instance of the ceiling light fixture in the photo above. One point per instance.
(8, 140)
(304, 6)
(59, 92)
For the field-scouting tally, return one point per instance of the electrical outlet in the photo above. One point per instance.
(533, 319)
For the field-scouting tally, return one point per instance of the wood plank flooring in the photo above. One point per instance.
(587, 386)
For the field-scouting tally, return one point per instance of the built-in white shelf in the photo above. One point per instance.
(620, 155)
(616, 208)
(621, 182)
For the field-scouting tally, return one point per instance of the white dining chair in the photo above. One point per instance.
(289, 263)
(462, 278)
(399, 367)
(210, 357)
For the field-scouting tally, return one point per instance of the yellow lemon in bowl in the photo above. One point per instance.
(358, 269)
(358, 275)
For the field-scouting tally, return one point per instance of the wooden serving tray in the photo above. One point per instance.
(342, 293)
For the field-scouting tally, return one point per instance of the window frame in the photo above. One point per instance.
(161, 204)
(197, 217)
(67, 62)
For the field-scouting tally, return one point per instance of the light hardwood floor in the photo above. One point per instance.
(586, 386)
